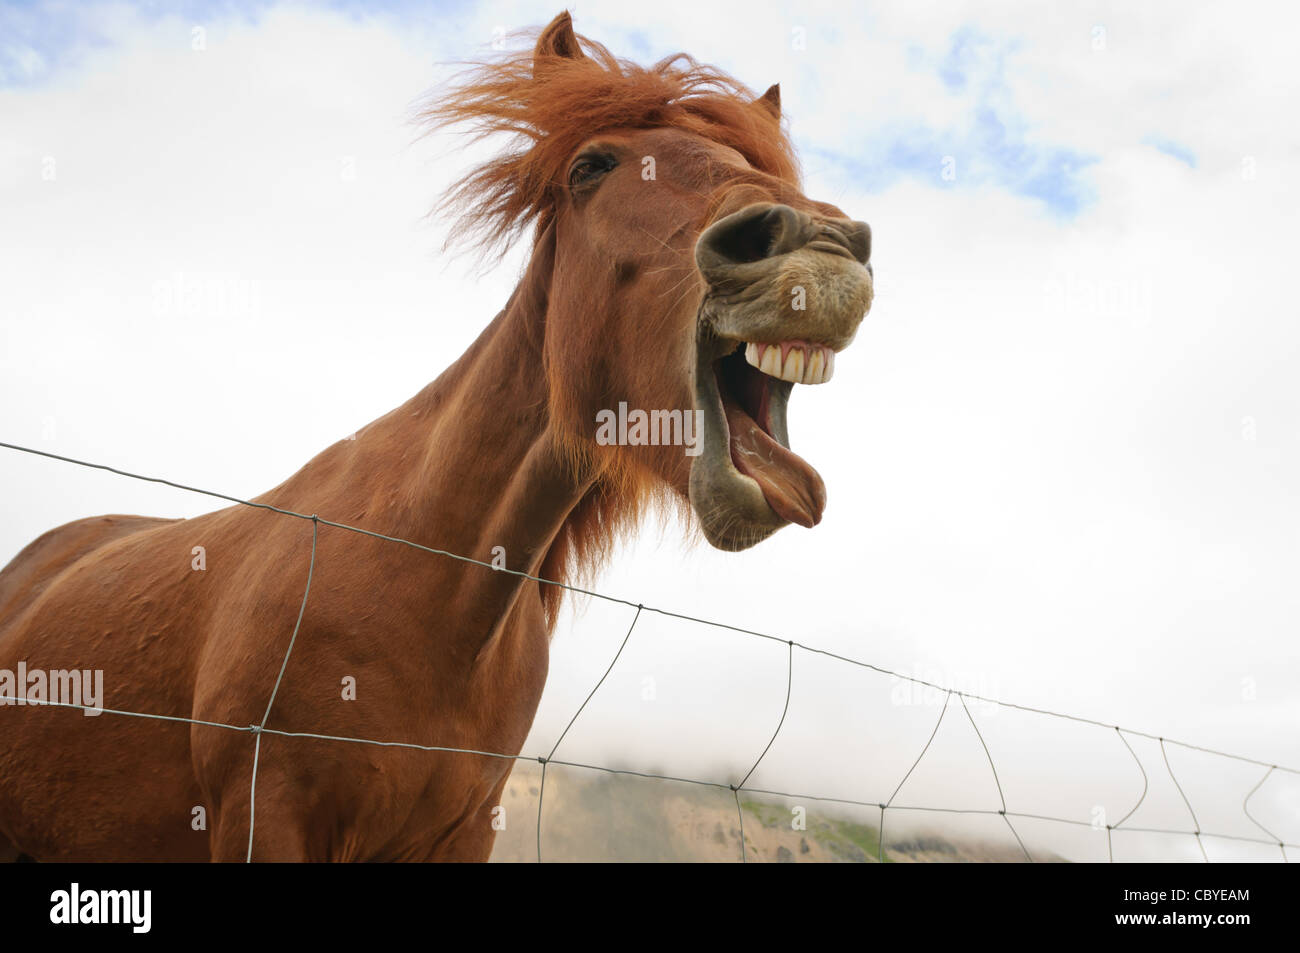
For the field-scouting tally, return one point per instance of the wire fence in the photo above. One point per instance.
(1007, 815)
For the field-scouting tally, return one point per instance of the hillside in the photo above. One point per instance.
(593, 816)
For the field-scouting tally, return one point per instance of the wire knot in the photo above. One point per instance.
(255, 729)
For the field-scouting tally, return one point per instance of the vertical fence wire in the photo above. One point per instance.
(880, 841)
(556, 747)
(735, 788)
(1245, 810)
(261, 726)
(992, 767)
(1110, 848)
(1183, 795)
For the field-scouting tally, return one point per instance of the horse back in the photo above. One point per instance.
(42, 561)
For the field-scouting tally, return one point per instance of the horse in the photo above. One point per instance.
(676, 268)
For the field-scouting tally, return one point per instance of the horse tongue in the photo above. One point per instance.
(791, 487)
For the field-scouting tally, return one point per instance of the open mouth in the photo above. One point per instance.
(784, 290)
(754, 383)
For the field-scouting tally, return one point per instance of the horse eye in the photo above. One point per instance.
(587, 170)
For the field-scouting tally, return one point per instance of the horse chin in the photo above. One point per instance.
(746, 483)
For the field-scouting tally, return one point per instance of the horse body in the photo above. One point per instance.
(624, 298)
(441, 651)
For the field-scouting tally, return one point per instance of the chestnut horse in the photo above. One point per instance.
(676, 267)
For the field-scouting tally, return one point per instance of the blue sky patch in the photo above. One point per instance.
(992, 145)
(1174, 149)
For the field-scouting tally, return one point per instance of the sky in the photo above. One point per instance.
(1062, 455)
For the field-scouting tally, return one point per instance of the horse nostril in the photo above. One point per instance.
(859, 237)
(749, 235)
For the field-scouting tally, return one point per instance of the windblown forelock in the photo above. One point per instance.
(551, 104)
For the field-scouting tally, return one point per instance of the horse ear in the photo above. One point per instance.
(558, 39)
(771, 100)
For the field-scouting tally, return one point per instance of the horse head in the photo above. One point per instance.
(677, 266)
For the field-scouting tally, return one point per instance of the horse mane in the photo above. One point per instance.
(565, 90)
(548, 100)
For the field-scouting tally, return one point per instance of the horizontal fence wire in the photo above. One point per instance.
(257, 730)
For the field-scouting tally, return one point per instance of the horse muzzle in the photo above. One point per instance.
(785, 291)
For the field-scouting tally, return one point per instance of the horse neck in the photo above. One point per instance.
(469, 464)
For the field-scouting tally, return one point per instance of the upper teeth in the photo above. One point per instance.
(794, 361)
